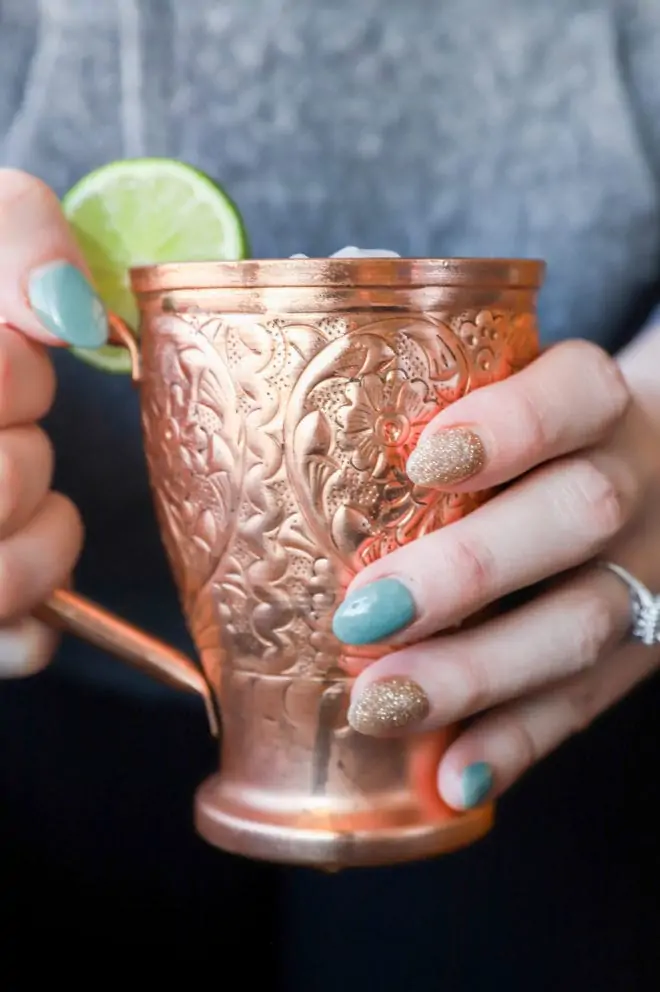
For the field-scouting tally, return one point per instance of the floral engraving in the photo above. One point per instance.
(278, 449)
(383, 419)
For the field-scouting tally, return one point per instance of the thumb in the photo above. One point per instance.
(44, 282)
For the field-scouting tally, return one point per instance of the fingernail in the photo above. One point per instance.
(443, 459)
(388, 704)
(374, 612)
(476, 783)
(67, 306)
(25, 648)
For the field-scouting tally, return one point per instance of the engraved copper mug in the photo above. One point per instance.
(280, 400)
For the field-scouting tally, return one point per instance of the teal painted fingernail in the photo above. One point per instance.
(67, 306)
(374, 612)
(476, 783)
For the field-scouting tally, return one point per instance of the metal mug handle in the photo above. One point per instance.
(74, 614)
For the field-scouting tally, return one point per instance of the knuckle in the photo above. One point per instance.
(27, 378)
(598, 503)
(614, 390)
(17, 186)
(11, 485)
(26, 468)
(618, 390)
(581, 707)
(475, 691)
(49, 385)
(521, 744)
(70, 521)
(472, 570)
(529, 416)
(593, 631)
(605, 375)
(60, 539)
(11, 583)
(44, 451)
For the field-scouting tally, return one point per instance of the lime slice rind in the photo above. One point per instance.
(142, 212)
(108, 358)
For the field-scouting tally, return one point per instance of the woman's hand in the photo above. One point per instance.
(44, 299)
(587, 463)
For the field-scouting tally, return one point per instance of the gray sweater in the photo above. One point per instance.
(432, 127)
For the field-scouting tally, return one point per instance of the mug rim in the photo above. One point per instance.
(364, 272)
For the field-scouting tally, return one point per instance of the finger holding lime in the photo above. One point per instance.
(142, 212)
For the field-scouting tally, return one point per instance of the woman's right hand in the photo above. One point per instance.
(45, 300)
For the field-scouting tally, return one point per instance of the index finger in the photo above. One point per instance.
(27, 380)
(566, 400)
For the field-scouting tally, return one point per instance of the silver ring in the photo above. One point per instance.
(644, 607)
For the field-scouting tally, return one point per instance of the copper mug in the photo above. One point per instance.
(280, 400)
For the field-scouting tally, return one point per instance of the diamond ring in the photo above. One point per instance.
(644, 607)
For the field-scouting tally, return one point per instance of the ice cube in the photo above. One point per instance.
(352, 252)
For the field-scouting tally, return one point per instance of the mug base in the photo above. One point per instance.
(336, 840)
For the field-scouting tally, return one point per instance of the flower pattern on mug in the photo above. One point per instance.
(280, 449)
(384, 420)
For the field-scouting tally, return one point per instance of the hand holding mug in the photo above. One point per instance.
(585, 457)
(279, 400)
(45, 299)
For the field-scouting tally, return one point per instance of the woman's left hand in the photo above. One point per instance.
(587, 463)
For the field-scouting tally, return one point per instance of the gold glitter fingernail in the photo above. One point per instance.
(388, 704)
(450, 456)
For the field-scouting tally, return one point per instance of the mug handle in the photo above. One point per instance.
(74, 614)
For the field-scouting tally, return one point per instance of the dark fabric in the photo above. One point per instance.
(97, 852)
